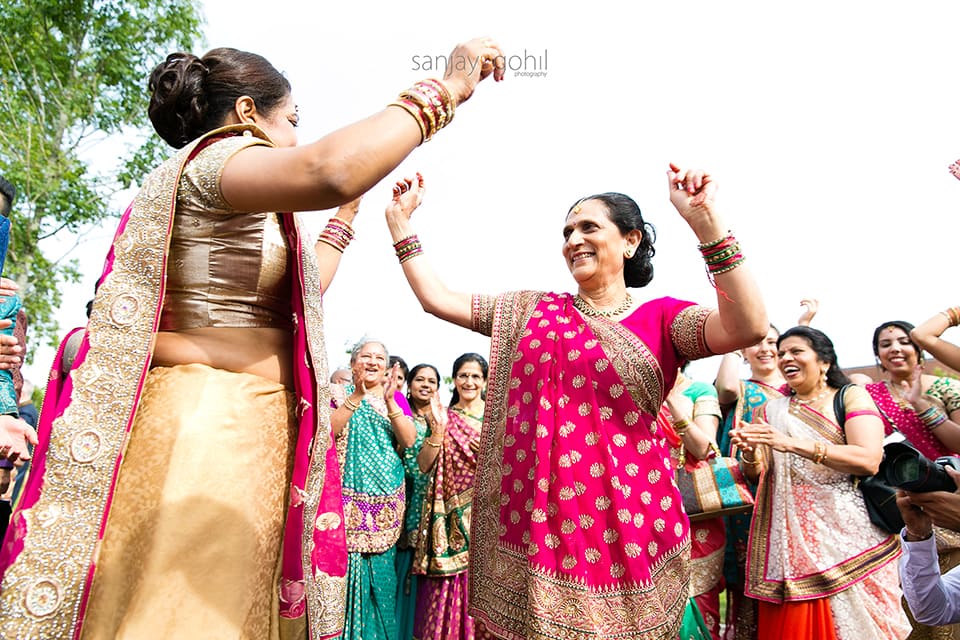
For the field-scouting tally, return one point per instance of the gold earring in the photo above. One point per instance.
(628, 254)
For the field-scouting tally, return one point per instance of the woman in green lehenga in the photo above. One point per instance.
(423, 382)
(371, 426)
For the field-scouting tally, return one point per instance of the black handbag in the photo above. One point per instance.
(880, 498)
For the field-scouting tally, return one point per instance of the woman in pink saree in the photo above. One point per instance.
(578, 529)
(925, 409)
(185, 483)
(443, 552)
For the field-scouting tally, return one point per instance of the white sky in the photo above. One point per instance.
(828, 126)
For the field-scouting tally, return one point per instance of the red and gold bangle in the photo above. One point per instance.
(407, 248)
(430, 104)
(338, 233)
(953, 315)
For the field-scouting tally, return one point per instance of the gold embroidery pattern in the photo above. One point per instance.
(706, 572)
(42, 591)
(511, 310)
(373, 523)
(482, 317)
(688, 332)
(517, 598)
(326, 598)
(635, 363)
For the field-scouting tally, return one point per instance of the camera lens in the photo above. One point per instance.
(905, 469)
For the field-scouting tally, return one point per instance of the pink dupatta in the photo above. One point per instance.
(48, 558)
(578, 529)
(897, 418)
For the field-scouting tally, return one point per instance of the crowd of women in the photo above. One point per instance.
(197, 474)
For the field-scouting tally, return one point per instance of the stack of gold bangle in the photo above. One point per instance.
(430, 104)
(350, 405)
(953, 315)
(395, 414)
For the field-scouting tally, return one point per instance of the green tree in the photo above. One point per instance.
(73, 74)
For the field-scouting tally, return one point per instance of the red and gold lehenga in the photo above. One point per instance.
(578, 528)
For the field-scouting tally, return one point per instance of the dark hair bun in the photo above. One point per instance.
(178, 104)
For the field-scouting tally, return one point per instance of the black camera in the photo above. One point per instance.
(905, 467)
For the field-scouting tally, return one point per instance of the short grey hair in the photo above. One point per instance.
(364, 341)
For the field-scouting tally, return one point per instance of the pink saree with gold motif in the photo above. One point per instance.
(49, 556)
(578, 528)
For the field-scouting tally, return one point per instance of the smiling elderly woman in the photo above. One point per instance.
(372, 420)
(578, 528)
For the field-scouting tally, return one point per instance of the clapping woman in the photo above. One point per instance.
(450, 454)
(816, 563)
(424, 381)
(371, 426)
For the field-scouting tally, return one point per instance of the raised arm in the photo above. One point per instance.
(728, 378)
(347, 163)
(927, 335)
(741, 318)
(433, 294)
(333, 240)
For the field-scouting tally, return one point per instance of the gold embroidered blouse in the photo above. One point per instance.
(226, 268)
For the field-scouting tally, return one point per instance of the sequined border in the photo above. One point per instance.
(64, 524)
(326, 595)
(482, 308)
(688, 331)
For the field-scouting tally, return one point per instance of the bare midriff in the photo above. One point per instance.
(261, 351)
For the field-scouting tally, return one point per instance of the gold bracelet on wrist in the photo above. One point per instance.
(350, 405)
(819, 453)
(433, 444)
(752, 463)
(681, 426)
(395, 414)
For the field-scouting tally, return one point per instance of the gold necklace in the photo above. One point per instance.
(810, 401)
(586, 309)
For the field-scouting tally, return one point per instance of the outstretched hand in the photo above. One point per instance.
(407, 196)
(692, 192)
(470, 63)
(810, 308)
(15, 434)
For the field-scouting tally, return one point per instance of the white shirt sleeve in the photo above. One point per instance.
(933, 599)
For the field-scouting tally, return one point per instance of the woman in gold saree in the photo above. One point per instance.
(578, 529)
(185, 482)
